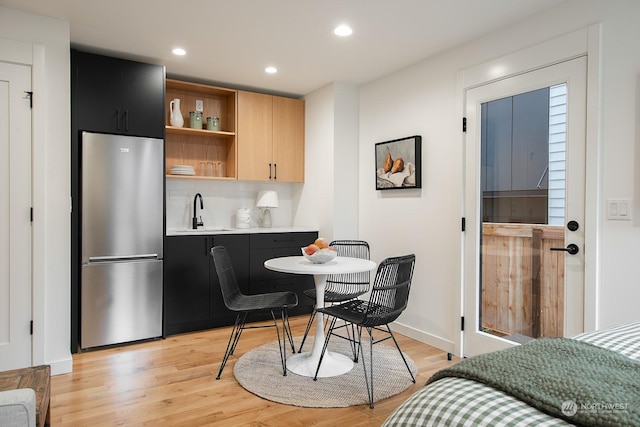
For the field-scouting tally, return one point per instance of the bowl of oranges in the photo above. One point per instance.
(319, 252)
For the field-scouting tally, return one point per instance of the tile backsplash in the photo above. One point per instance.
(221, 201)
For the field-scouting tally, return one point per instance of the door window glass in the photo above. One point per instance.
(523, 139)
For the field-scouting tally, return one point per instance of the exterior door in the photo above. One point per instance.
(524, 205)
(15, 223)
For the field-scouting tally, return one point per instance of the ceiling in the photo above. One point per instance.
(231, 42)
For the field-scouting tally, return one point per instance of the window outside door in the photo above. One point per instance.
(524, 204)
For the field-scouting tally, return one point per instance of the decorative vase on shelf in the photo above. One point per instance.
(176, 118)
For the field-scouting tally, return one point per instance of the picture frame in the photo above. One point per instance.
(398, 163)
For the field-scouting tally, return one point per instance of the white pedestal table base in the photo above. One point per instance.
(333, 364)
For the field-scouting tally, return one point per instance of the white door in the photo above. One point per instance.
(15, 216)
(524, 197)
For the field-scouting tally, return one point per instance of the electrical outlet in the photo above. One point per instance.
(199, 105)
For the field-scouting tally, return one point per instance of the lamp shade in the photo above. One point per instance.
(267, 199)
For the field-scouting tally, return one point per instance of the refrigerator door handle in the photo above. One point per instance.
(122, 258)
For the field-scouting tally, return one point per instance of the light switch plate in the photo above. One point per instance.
(199, 105)
(619, 209)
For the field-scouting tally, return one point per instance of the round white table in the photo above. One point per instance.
(332, 363)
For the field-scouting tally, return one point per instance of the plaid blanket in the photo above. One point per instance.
(547, 372)
(454, 401)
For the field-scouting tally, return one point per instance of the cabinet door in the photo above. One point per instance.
(288, 139)
(193, 300)
(96, 92)
(143, 101)
(238, 249)
(186, 283)
(255, 133)
(113, 95)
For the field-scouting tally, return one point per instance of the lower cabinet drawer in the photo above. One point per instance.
(282, 240)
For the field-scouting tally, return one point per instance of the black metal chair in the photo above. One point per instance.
(389, 297)
(342, 287)
(244, 305)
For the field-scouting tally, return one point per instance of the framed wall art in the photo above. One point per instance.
(399, 163)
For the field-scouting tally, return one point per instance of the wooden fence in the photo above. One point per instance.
(522, 279)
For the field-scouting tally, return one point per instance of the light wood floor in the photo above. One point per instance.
(172, 382)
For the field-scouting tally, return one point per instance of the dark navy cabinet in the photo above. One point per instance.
(192, 297)
(113, 95)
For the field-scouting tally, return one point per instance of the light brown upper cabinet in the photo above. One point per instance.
(270, 138)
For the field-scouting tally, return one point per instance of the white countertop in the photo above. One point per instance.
(231, 230)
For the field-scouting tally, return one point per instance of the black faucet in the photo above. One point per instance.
(194, 221)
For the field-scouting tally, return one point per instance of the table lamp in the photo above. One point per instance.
(266, 200)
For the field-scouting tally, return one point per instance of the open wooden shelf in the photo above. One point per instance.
(199, 132)
(188, 146)
(214, 178)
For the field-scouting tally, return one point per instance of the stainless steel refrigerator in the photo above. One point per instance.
(122, 182)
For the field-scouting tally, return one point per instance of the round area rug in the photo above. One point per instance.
(260, 372)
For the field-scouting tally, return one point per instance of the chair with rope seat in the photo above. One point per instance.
(245, 305)
(342, 287)
(388, 299)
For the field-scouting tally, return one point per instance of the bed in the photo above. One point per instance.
(483, 393)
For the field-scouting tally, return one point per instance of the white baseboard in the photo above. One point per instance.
(424, 337)
(59, 367)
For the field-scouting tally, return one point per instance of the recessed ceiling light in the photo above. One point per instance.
(179, 51)
(271, 70)
(342, 30)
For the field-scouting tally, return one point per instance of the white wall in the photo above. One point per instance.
(51, 184)
(345, 165)
(619, 270)
(314, 203)
(329, 197)
(422, 99)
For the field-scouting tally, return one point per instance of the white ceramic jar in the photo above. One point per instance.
(243, 218)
